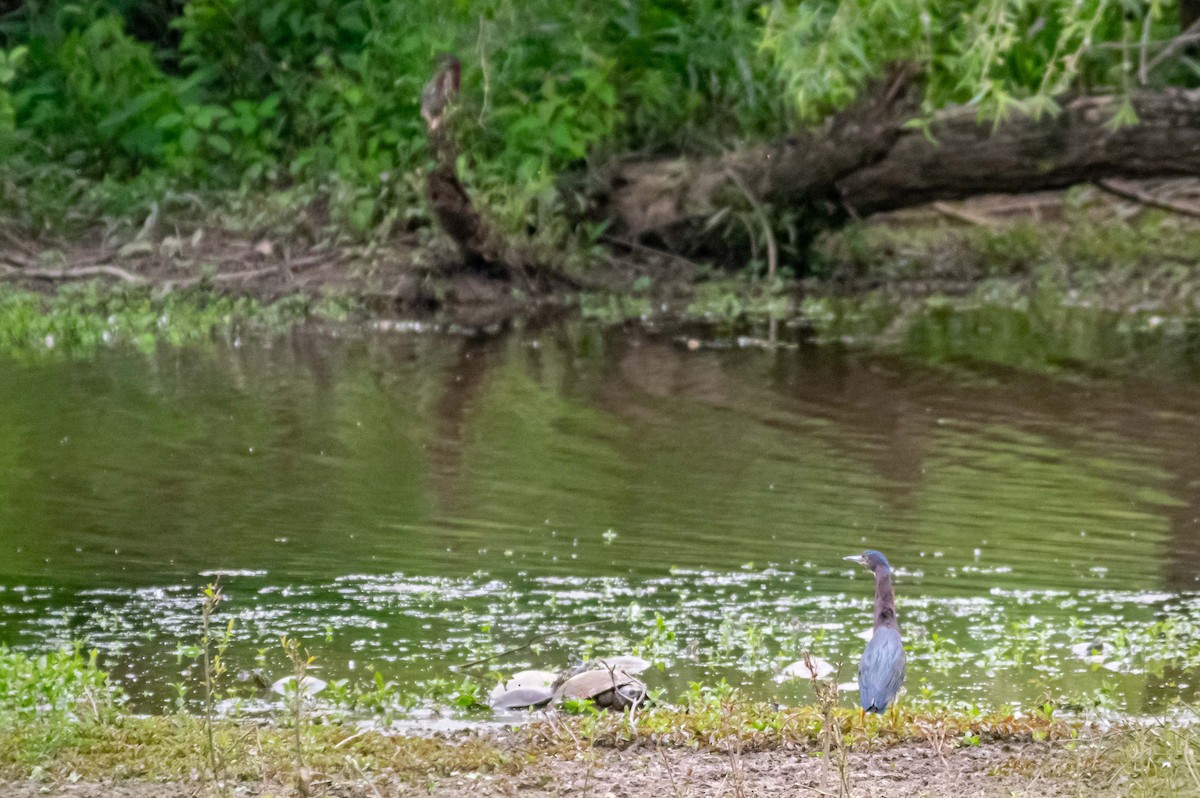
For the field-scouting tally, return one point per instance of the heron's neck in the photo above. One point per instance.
(885, 600)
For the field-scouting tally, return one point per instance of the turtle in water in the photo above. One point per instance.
(525, 690)
(629, 664)
(607, 689)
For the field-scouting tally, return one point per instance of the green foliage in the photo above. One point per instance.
(49, 699)
(65, 683)
(221, 143)
(94, 99)
(109, 105)
(238, 95)
(88, 315)
(10, 62)
(999, 55)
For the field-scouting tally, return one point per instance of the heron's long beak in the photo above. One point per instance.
(858, 558)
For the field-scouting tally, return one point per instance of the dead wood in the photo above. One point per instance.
(869, 159)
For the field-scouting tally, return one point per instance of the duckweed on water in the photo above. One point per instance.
(86, 316)
(1140, 651)
(1045, 327)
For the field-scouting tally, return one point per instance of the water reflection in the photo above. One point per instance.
(556, 474)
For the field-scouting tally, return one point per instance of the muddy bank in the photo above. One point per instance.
(1100, 248)
(1077, 281)
(1030, 769)
(401, 277)
(910, 770)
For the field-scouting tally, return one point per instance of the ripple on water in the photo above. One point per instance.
(412, 502)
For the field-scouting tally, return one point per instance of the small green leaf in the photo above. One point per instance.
(219, 143)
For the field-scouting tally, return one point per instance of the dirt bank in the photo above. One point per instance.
(1026, 770)
(1086, 246)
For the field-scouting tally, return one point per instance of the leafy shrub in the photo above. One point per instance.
(64, 684)
(94, 98)
(46, 699)
(246, 95)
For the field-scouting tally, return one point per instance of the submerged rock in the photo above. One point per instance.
(800, 670)
(311, 685)
(1091, 650)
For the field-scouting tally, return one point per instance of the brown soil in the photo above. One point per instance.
(417, 277)
(912, 770)
(397, 277)
(403, 276)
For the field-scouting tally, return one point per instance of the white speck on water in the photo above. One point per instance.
(233, 572)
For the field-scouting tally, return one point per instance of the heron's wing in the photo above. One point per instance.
(881, 671)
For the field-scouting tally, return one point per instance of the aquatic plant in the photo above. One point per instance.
(297, 696)
(49, 701)
(83, 317)
(212, 656)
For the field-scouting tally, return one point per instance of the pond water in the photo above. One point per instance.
(405, 502)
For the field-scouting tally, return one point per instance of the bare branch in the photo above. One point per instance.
(72, 274)
(1143, 72)
(963, 215)
(1128, 192)
(1190, 35)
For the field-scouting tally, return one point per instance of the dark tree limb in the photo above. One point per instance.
(964, 157)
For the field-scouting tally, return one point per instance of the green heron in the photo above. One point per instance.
(440, 90)
(881, 671)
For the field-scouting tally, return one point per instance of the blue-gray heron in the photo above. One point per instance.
(881, 671)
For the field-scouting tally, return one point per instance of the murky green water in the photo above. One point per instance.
(408, 501)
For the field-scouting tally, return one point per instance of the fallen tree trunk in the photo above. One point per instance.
(667, 199)
(867, 161)
(1079, 145)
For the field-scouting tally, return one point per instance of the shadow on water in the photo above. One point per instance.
(413, 499)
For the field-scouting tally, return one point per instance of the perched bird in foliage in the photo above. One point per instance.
(456, 214)
(440, 90)
(881, 671)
